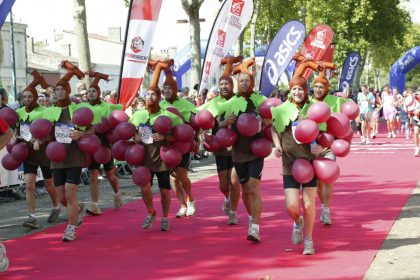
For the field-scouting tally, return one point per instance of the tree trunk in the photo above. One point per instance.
(239, 45)
(192, 8)
(253, 28)
(356, 81)
(80, 30)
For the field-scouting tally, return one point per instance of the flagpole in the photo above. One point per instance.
(123, 50)
(12, 47)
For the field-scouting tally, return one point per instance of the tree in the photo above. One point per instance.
(192, 8)
(253, 28)
(80, 30)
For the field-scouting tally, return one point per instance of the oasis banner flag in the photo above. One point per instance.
(233, 16)
(138, 41)
(5, 6)
(349, 70)
(279, 54)
(316, 44)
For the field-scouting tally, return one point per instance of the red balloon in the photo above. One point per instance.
(40, 128)
(306, 131)
(349, 135)
(326, 170)
(247, 124)
(319, 112)
(141, 176)
(325, 139)
(170, 156)
(89, 143)
(119, 148)
(204, 119)
(10, 146)
(9, 115)
(338, 124)
(226, 137)
(175, 111)
(83, 117)
(350, 109)
(88, 160)
(112, 136)
(163, 124)
(193, 123)
(183, 147)
(20, 151)
(125, 130)
(56, 151)
(302, 171)
(268, 134)
(193, 146)
(102, 127)
(340, 148)
(116, 117)
(103, 155)
(183, 133)
(265, 108)
(75, 100)
(134, 154)
(10, 163)
(211, 144)
(261, 147)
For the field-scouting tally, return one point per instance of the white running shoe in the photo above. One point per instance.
(308, 247)
(297, 235)
(253, 234)
(191, 208)
(182, 212)
(69, 234)
(417, 152)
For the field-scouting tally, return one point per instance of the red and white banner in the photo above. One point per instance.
(138, 42)
(316, 44)
(233, 16)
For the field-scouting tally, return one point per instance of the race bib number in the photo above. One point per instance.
(145, 134)
(62, 132)
(25, 131)
(294, 125)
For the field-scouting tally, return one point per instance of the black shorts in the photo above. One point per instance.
(186, 161)
(107, 166)
(249, 169)
(362, 117)
(163, 179)
(66, 175)
(290, 183)
(223, 163)
(33, 169)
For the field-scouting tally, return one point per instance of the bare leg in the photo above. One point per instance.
(147, 195)
(30, 180)
(256, 203)
(308, 197)
(72, 203)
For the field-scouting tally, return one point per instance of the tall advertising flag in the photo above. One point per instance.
(316, 44)
(280, 52)
(5, 7)
(233, 16)
(143, 16)
(349, 70)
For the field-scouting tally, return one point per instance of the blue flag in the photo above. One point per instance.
(402, 66)
(349, 70)
(281, 50)
(5, 6)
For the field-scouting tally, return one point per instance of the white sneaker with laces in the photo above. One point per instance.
(326, 216)
(297, 235)
(417, 152)
(308, 247)
(182, 212)
(253, 234)
(69, 234)
(191, 208)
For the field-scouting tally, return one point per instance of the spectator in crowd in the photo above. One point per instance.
(83, 95)
(132, 108)
(113, 97)
(142, 103)
(18, 103)
(275, 93)
(4, 98)
(41, 99)
(213, 92)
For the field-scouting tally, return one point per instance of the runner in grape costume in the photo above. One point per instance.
(228, 182)
(37, 158)
(94, 99)
(285, 119)
(179, 177)
(152, 142)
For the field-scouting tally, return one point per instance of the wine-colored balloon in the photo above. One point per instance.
(125, 130)
(193, 123)
(338, 124)
(141, 176)
(319, 112)
(175, 111)
(261, 147)
(83, 117)
(20, 151)
(162, 124)
(326, 170)
(10, 163)
(40, 128)
(247, 124)
(9, 115)
(226, 137)
(56, 151)
(116, 117)
(170, 156)
(350, 109)
(265, 108)
(204, 119)
(340, 148)
(134, 154)
(119, 148)
(302, 171)
(306, 131)
(89, 143)
(183, 147)
(325, 139)
(102, 127)
(112, 136)
(183, 133)
(103, 155)
(211, 144)
(268, 134)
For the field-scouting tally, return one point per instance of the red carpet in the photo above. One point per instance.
(368, 197)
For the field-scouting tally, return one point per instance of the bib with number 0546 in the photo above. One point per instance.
(62, 132)
(25, 131)
(145, 133)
